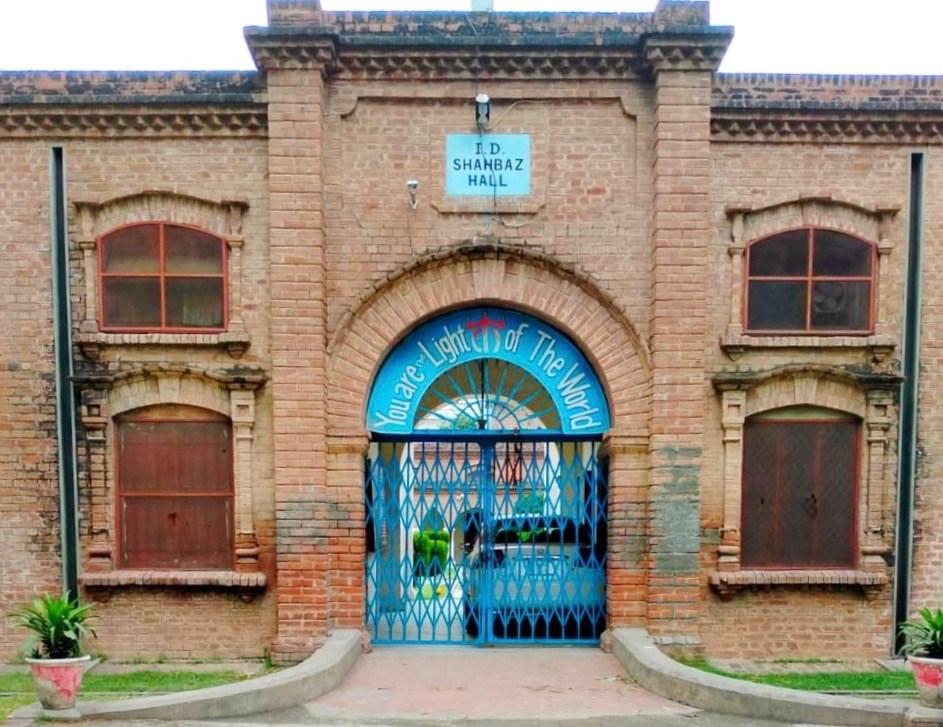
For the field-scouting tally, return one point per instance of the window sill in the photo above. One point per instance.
(728, 583)
(92, 343)
(878, 345)
(178, 578)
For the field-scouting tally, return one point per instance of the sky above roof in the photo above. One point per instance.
(799, 36)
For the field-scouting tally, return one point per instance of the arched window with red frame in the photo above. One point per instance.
(811, 280)
(158, 276)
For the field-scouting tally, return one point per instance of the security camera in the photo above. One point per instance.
(412, 186)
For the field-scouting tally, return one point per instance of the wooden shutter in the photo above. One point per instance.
(799, 506)
(175, 485)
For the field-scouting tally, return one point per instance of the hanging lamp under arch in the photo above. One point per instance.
(491, 369)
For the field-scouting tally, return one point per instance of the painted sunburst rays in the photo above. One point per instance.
(487, 394)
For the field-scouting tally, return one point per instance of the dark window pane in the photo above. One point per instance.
(777, 306)
(174, 457)
(195, 302)
(131, 250)
(842, 306)
(176, 532)
(191, 252)
(131, 302)
(784, 254)
(837, 254)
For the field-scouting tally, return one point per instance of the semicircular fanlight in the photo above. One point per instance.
(486, 395)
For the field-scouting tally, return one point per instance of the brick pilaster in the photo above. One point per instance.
(678, 334)
(298, 356)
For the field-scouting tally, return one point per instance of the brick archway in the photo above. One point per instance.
(506, 276)
(509, 277)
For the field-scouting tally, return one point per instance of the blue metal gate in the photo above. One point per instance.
(485, 493)
(483, 537)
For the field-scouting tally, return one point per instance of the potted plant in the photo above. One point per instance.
(923, 645)
(57, 625)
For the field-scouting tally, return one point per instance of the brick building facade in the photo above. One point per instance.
(731, 254)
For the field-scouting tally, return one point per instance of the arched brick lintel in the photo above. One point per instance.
(807, 389)
(149, 389)
(493, 275)
(222, 217)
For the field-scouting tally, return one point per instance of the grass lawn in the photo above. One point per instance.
(869, 681)
(17, 689)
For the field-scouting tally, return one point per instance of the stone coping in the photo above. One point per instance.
(726, 583)
(316, 675)
(822, 92)
(655, 671)
(130, 87)
(220, 578)
(739, 343)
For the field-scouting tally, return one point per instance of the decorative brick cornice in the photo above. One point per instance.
(679, 53)
(93, 343)
(841, 127)
(464, 62)
(490, 46)
(747, 379)
(137, 121)
(459, 62)
(488, 64)
(236, 377)
(291, 51)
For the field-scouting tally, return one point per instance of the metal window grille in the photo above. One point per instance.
(800, 498)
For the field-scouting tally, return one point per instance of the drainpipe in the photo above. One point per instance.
(907, 444)
(65, 389)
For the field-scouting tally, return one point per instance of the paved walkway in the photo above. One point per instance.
(467, 683)
(473, 687)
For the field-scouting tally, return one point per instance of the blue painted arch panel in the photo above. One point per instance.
(472, 334)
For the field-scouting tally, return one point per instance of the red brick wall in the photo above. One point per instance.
(805, 622)
(624, 244)
(29, 485)
(927, 586)
(592, 213)
(204, 623)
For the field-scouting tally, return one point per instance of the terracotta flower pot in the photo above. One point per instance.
(929, 676)
(58, 680)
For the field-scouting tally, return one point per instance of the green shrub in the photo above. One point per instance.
(924, 636)
(430, 553)
(530, 503)
(57, 625)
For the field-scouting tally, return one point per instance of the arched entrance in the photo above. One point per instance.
(485, 493)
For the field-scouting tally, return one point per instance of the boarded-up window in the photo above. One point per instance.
(799, 493)
(175, 489)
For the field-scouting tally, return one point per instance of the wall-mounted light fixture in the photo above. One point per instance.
(482, 111)
(412, 186)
